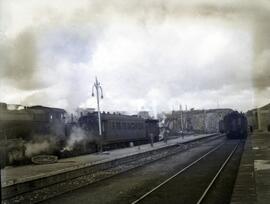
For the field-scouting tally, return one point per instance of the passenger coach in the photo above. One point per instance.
(118, 128)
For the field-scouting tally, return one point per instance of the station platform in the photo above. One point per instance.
(253, 180)
(21, 174)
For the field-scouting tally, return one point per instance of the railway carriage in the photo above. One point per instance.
(119, 129)
(152, 129)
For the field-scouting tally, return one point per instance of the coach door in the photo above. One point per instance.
(104, 127)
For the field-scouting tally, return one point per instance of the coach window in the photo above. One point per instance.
(57, 116)
(120, 125)
(62, 116)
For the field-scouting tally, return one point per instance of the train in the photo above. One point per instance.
(28, 131)
(117, 130)
(234, 125)
(24, 122)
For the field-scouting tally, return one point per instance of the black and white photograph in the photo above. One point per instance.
(135, 101)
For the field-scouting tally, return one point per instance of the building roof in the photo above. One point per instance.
(109, 116)
(266, 107)
(47, 108)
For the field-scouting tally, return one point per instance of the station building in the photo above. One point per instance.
(198, 121)
(259, 118)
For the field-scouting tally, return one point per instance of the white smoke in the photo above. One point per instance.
(78, 135)
(40, 144)
(34, 148)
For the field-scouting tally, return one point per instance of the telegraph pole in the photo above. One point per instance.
(182, 125)
(99, 93)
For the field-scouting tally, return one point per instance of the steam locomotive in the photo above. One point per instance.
(24, 122)
(22, 128)
(26, 126)
(234, 125)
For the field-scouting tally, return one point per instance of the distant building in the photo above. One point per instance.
(120, 112)
(144, 114)
(198, 121)
(259, 118)
(83, 111)
(73, 117)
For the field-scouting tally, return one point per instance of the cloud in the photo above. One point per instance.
(19, 61)
(261, 73)
(146, 53)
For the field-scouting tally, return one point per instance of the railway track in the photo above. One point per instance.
(50, 188)
(193, 183)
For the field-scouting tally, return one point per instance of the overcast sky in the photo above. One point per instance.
(151, 55)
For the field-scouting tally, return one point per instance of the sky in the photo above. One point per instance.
(147, 55)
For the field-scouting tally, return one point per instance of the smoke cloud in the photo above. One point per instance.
(19, 61)
(33, 148)
(77, 136)
(40, 144)
(155, 54)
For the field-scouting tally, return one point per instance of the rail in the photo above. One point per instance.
(179, 172)
(216, 176)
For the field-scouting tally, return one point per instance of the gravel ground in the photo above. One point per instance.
(126, 187)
